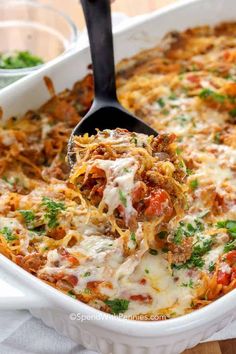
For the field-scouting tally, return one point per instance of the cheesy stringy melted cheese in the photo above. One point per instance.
(97, 236)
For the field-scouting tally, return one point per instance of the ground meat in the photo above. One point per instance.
(32, 262)
(182, 252)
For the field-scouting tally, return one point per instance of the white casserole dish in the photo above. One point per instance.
(103, 332)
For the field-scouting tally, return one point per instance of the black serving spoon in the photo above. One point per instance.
(105, 112)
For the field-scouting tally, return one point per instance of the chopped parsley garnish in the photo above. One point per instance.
(18, 60)
(178, 236)
(172, 96)
(71, 294)
(196, 261)
(178, 151)
(117, 305)
(233, 113)
(134, 140)
(133, 237)
(87, 291)
(190, 284)
(189, 171)
(161, 102)
(200, 250)
(123, 198)
(182, 119)
(126, 170)
(87, 274)
(146, 271)
(211, 266)
(153, 252)
(162, 234)
(12, 181)
(53, 209)
(194, 184)
(8, 235)
(217, 97)
(216, 139)
(187, 230)
(28, 216)
(230, 225)
(165, 112)
(230, 246)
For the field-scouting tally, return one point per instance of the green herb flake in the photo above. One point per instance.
(8, 235)
(165, 112)
(230, 225)
(117, 305)
(133, 237)
(134, 140)
(153, 252)
(217, 97)
(162, 234)
(196, 260)
(172, 96)
(146, 271)
(123, 198)
(189, 171)
(216, 138)
(194, 184)
(178, 236)
(87, 274)
(232, 113)
(190, 284)
(178, 151)
(28, 216)
(183, 119)
(211, 266)
(161, 102)
(53, 209)
(71, 294)
(230, 246)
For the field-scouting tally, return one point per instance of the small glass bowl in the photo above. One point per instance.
(26, 25)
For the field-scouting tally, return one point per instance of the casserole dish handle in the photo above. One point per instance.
(15, 294)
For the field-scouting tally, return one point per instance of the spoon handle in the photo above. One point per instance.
(97, 14)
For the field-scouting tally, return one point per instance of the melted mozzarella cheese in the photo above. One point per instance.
(120, 183)
(167, 294)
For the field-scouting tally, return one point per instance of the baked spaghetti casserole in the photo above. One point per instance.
(142, 226)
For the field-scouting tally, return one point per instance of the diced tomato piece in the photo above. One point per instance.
(97, 172)
(231, 257)
(121, 210)
(223, 278)
(63, 252)
(143, 281)
(58, 276)
(73, 260)
(233, 274)
(71, 279)
(159, 203)
(226, 54)
(100, 190)
(142, 298)
(194, 78)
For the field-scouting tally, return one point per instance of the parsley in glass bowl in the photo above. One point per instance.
(31, 35)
